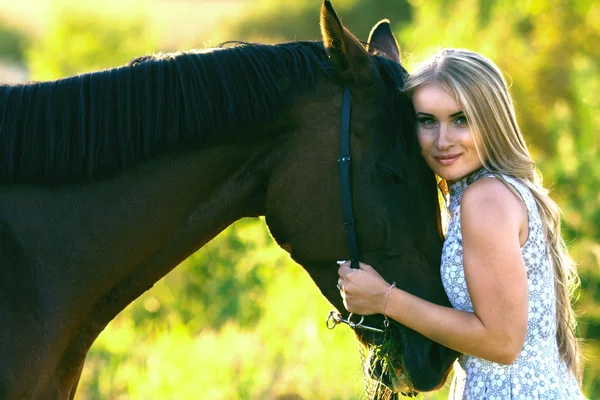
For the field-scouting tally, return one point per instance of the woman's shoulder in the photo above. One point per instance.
(489, 198)
(490, 190)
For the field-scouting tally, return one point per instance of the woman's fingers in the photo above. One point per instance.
(344, 269)
(364, 266)
(348, 263)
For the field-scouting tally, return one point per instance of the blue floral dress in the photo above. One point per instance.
(538, 372)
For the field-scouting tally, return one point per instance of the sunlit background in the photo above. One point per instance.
(239, 320)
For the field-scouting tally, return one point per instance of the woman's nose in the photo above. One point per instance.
(443, 140)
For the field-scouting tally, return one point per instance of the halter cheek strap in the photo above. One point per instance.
(335, 317)
(346, 185)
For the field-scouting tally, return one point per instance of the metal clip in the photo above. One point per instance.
(335, 318)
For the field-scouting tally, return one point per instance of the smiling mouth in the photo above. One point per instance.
(447, 160)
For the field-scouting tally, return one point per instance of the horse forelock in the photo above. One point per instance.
(397, 132)
(94, 125)
(396, 137)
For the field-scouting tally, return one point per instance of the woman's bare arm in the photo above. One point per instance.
(494, 225)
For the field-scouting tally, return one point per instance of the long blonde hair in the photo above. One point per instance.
(478, 85)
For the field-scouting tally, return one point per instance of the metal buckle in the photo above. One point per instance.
(335, 318)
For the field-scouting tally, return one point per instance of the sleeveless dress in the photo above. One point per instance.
(538, 372)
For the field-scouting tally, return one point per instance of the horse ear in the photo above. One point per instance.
(348, 55)
(382, 41)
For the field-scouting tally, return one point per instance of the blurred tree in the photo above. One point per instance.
(80, 40)
(12, 43)
(223, 282)
(276, 21)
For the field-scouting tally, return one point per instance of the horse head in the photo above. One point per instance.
(394, 195)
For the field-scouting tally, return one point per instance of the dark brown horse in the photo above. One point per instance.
(110, 179)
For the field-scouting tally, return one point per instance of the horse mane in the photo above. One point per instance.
(94, 125)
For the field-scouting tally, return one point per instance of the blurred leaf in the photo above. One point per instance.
(13, 42)
(81, 40)
(276, 21)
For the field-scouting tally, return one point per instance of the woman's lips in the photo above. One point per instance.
(447, 160)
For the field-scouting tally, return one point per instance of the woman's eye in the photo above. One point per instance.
(387, 173)
(426, 121)
(391, 175)
(462, 120)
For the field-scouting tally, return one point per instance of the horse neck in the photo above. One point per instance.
(91, 249)
(140, 224)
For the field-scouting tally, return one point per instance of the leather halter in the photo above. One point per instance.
(346, 185)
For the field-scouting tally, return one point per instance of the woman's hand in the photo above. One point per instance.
(363, 290)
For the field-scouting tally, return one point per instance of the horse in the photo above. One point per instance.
(110, 179)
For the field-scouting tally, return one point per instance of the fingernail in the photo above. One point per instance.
(340, 262)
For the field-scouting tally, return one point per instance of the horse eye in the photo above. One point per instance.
(389, 173)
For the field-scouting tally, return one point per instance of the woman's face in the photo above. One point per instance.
(444, 133)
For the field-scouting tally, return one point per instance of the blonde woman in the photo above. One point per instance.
(504, 266)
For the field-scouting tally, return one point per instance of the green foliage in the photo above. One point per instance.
(276, 21)
(215, 286)
(12, 43)
(81, 40)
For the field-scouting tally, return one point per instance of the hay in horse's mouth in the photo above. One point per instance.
(383, 368)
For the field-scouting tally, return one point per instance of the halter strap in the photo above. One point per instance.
(346, 185)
